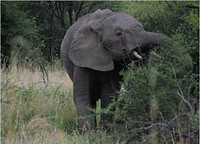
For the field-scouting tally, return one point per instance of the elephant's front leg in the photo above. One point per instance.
(108, 93)
(81, 98)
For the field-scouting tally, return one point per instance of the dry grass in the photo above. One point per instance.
(23, 77)
(33, 112)
(30, 106)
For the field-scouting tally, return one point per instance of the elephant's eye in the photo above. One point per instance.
(118, 32)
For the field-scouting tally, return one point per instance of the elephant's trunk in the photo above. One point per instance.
(146, 39)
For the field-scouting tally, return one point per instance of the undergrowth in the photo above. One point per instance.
(38, 112)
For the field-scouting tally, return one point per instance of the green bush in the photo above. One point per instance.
(158, 101)
(159, 93)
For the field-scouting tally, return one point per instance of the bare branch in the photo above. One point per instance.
(193, 7)
(188, 103)
(79, 10)
(166, 125)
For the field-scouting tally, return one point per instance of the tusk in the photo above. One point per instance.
(155, 54)
(137, 55)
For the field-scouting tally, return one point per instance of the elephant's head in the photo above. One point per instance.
(108, 37)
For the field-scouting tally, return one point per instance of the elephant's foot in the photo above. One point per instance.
(85, 125)
(105, 122)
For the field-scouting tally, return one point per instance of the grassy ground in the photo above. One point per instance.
(33, 112)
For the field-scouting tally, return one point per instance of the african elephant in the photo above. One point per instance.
(95, 49)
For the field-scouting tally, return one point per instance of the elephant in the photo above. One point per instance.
(94, 50)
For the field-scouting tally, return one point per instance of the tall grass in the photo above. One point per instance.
(28, 104)
(36, 112)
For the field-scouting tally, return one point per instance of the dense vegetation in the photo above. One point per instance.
(159, 98)
(158, 102)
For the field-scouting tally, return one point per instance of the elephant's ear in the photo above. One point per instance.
(86, 50)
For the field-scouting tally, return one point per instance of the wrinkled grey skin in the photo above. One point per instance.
(94, 50)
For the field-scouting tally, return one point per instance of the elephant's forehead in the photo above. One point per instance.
(121, 20)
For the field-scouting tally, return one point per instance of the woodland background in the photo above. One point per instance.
(159, 99)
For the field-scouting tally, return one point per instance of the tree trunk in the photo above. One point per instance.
(51, 35)
(70, 13)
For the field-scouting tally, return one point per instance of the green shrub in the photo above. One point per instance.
(159, 95)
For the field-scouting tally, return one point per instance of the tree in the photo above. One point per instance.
(19, 34)
(53, 18)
